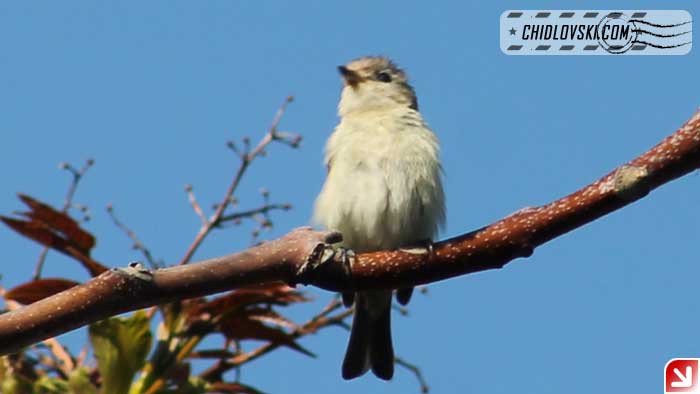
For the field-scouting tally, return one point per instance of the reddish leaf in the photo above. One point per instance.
(270, 316)
(272, 293)
(56, 230)
(37, 231)
(59, 222)
(33, 291)
(242, 327)
(93, 266)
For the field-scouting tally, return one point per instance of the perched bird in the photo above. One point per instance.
(383, 191)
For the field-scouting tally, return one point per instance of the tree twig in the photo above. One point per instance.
(195, 205)
(136, 242)
(233, 217)
(246, 156)
(416, 372)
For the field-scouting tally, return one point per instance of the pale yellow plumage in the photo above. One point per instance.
(383, 189)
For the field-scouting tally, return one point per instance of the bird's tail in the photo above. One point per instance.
(370, 343)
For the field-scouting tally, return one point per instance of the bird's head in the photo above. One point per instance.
(374, 83)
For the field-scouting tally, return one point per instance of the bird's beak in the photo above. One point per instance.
(350, 77)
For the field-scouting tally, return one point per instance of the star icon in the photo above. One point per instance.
(512, 31)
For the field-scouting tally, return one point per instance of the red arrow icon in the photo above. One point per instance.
(685, 380)
(681, 375)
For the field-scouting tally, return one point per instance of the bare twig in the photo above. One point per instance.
(136, 242)
(416, 371)
(195, 205)
(247, 156)
(67, 204)
(235, 217)
(77, 176)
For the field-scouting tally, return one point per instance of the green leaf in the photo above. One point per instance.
(14, 385)
(79, 381)
(11, 382)
(48, 385)
(121, 346)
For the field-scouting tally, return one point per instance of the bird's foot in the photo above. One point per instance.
(324, 252)
(345, 255)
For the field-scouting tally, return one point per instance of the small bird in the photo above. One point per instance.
(383, 191)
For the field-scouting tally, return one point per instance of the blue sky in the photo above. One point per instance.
(152, 90)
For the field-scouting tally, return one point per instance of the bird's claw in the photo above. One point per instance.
(330, 252)
(345, 254)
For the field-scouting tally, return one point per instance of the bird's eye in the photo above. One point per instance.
(383, 76)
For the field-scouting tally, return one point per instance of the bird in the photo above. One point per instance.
(383, 191)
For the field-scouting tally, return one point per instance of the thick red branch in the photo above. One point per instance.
(520, 233)
(125, 289)
(303, 256)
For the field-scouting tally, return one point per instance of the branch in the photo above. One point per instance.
(121, 290)
(246, 156)
(303, 256)
(520, 233)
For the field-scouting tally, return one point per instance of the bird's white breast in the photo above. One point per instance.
(383, 188)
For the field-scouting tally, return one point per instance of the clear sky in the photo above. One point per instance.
(152, 90)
